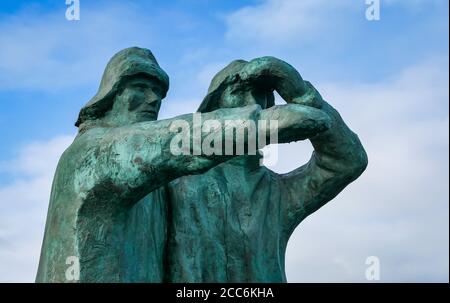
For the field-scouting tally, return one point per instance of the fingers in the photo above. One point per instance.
(284, 78)
(296, 122)
(276, 73)
(311, 97)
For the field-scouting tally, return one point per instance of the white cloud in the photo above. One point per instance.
(300, 26)
(45, 52)
(414, 4)
(398, 209)
(281, 21)
(23, 207)
(37, 158)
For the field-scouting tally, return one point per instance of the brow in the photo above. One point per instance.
(139, 82)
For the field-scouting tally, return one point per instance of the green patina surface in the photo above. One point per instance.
(131, 211)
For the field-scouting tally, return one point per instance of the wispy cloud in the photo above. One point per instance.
(23, 207)
(398, 209)
(45, 52)
(283, 21)
(295, 22)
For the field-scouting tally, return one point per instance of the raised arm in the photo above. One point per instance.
(129, 162)
(338, 159)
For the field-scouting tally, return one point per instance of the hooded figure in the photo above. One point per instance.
(233, 223)
(120, 157)
(60, 242)
(127, 63)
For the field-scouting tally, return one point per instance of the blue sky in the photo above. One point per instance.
(388, 78)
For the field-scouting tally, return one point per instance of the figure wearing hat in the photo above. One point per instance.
(233, 223)
(121, 156)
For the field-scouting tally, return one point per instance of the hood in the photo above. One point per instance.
(126, 63)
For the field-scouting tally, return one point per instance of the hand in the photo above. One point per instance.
(272, 73)
(283, 78)
(311, 97)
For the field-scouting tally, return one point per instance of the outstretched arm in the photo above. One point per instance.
(129, 162)
(338, 159)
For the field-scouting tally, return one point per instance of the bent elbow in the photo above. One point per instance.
(363, 162)
(358, 163)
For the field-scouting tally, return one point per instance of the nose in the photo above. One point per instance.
(151, 97)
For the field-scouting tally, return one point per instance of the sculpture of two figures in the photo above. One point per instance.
(128, 209)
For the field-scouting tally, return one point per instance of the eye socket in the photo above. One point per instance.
(142, 86)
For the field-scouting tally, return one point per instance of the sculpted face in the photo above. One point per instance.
(139, 100)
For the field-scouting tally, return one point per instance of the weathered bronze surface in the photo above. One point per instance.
(131, 211)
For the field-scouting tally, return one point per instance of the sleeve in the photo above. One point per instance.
(129, 162)
(338, 159)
